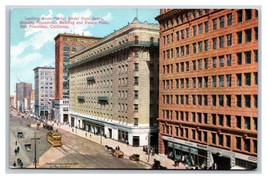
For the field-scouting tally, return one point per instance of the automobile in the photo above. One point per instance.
(134, 157)
(20, 134)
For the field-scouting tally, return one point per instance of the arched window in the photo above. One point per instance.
(66, 47)
(74, 48)
(82, 47)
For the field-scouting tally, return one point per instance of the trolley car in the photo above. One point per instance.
(54, 139)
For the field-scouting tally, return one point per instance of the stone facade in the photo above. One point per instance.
(114, 85)
(208, 91)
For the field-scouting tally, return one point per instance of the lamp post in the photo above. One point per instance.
(35, 155)
(148, 148)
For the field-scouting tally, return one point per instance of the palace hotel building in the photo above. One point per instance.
(65, 45)
(114, 85)
(208, 86)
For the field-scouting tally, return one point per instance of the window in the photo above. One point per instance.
(135, 80)
(220, 139)
(177, 52)
(199, 135)
(214, 59)
(247, 145)
(200, 64)
(248, 79)
(238, 100)
(187, 49)
(248, 57)
(205, 100)
(221, 41)
(228, 120)
(214, 24)
(135, 107)
(194, 48)
(214, 40)
(195, 30)
(135, 121)
(194, 82)
(239, 16)
(255, 119)
(214, 102)
(213, 138)
(178, 35)
(74, 48)
(221, 100)
(238, 143)
(221, 61)
(228, 141)
(205, 136)
(200, 29)
(206, 61)
(199, 82)
(222, 22)
(206, 81)
(229, 80)
(256, 33)
(187, 66)
(206, 26)
(199, 117)
(256, 78)
(239, 58)
(239, 37)
(239, 79)
(229, 60)
(194, 99)
(247, 101)
(199, 46)
(221, 77)
(256, 55)
(187, 32)
(238, 122)
(182, 34)
(214, 81)
(255, 101)
(248, 14)
(206, 42)
(214, 119)
(248, 35)
(229, 40)
(135, 94)
(229, 19)
(193, 116)
(221, 122)
(136, 67)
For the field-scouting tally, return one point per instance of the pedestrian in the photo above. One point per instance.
(21, 164)
(90, 135)
(127, 142)
(14, 164)
(18, 149)
(16, 142)
(86, 134)
(15, 151)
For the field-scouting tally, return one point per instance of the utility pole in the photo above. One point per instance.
(35, 157)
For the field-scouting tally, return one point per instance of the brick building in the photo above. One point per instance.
(23, 96)
(114, 85)
(65, 46)
(208, 91)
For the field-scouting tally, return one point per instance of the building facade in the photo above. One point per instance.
(208, 95)
(114, 85)
(23, 96)
(44, 79)
(66, 45)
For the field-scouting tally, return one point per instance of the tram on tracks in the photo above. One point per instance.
(54, 139)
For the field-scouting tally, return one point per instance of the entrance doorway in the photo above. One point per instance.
(136, 141)
(109, 133)
(72, 122)
(65, 117)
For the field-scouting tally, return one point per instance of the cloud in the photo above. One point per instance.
(108, 17)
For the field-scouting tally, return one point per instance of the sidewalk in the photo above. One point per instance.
(128, 150)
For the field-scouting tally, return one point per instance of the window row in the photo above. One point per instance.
(228, 80)
(248, 101)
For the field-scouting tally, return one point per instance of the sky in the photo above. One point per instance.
(32, 47)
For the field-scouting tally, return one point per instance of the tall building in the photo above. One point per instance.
(114, 85)
(23, 96)
(66, 45)
(208, 95)
(44, 79)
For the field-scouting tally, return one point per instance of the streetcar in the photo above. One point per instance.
(54, 139)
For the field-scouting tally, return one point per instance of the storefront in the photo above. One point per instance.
(188, 155)
(93, 128)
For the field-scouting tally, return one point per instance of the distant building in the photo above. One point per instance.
(23, 90)
(208, 95)
(114, 85)
(66, 45)
(12, 102)
(44, 78)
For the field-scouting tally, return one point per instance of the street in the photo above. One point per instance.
(76, 152)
